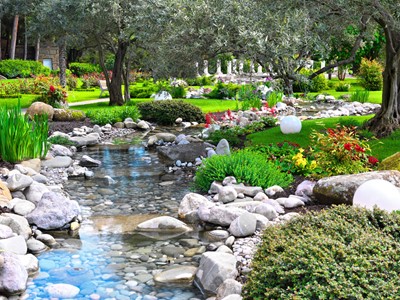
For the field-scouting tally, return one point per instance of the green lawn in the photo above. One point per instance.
(380, 148)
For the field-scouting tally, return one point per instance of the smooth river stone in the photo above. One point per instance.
(184, 274)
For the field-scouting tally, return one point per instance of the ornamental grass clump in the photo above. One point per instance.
(247, 167)
(339, 253)
(21, 138)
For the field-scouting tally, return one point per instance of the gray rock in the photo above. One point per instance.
(130, 124)
(266, 210)
(260, 197)
(53, 211)
(189, 205)
(244, 225)
(223, 148)
(15, 244)
(152, 140)
(233, 296)
(189, 243)
(13, 275)
(224, 249)
(88, 140)
(62, 290)
(25, 170)
(162, 95)
(278, 208)
(247, 190)
(119, 125)
(214, 188)
(217, 235)
(214, 269)
(166, 137)
(23, 207)
(229, 287)
(274, 190)
(340, 189)
(35, 192)
(211, 152)
(188, 152)
(305, 188)
(17, 182)
(182, 274)
(58, 162)
(18, 194)
(164, 223)
(219, 215)
(40, 178)
(143, 125)
(262, 222)
(35, 246)
(172, 251)
(18, 224)
(47, 239)
(229, 241)
(30, 262)
(59, 150)
(227, 194)
(229, 180)
(87, 161)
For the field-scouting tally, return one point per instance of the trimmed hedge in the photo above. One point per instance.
(165, 112)
(339, 253)
(80, 69)
(13, 68)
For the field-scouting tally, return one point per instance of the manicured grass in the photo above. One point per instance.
(380, 148)
(25, 100)
(78, 96)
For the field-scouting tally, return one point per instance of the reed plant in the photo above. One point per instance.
(21, 138)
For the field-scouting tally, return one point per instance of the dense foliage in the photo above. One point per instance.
(167, 111)
(248, 167)
(102, 116)
(22, 68)
(370, 75)
(80, 69)
(340, 253)
(21, 138)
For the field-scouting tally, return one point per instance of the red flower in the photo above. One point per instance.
(359, 149)
(347, 146)
(52, 89)
(372, 160)
(208, 119)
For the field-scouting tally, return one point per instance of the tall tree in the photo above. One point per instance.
(14, 37)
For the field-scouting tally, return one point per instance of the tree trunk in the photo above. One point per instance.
(25, 40)
(63, 62)
(287, 86)
(0, 39)
(127, 94)
(388, 118)
(114, 87)
(37, 49)
(14, 37)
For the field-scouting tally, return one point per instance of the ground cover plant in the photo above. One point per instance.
(21, 138)
(249, 167)
(339, 253)
(111, 115)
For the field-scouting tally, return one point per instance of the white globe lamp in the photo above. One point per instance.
(377, 192)
(290, 124)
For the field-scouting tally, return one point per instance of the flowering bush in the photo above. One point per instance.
(50, 91)
(340, 151)
(303, 165)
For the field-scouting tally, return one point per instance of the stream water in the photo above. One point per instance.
(107, 259)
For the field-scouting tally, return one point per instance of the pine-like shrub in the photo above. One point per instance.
(339, 253)
(167, 111)
(247, 167)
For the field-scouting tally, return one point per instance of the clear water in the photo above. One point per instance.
(107, 259)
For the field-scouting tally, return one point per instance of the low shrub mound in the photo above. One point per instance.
(80, 69)
(167, 111)
(103, 116)
(247, 167)
(339, 253)
(13, 68)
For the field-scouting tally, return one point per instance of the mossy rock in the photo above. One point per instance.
(68, 115)
(391, 162)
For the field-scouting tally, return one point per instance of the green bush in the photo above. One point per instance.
(342, 87)
(370, 75)
(21, 138)
(60, 140)
(200, 81)
(303, 84)
(247, 167)
(80, 69)
(167, 111)
(223, 91)
(111, 115)
(142, 91)
(339, 253)
(318, 83)
(13, 68)
(177, 92)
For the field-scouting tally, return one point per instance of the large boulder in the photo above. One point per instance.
(162, 95)
(15, 244)
(340, 189)
(219, 215)
(53, 211)
(60, 150)
(13, 275)
(58, 162)
(164, 223)
(35, 191)
(17, 182)
(40, 108)
(190, 204)
(166, 137)
(244, 225)
(186, 152)
(229, 287)
(64, 115)
(391, 163)
(18, 224)
(87, 140)
(214, 269)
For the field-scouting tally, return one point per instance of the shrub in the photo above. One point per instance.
(273, 98)
(318, 83)
(167, 111)
(55, 96)
(60, 140)
(142, 91)
(360, 96)
(303, 84)
(72, 82)
(370, 75)
(177, 92)
(246, 166)
(339, 253)
(91, 80)
(80, 69)
(250, 97)
(111, 115)
(223, 91)
(342, 87)
(13, 68)
(200, 81)
(21, 138)
(340, 151)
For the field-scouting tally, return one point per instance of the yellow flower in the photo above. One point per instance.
(313, 165)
